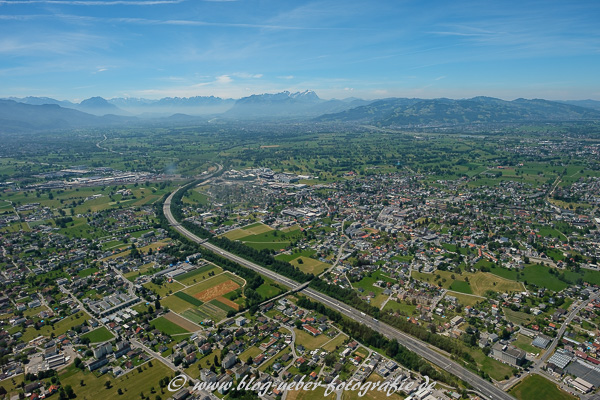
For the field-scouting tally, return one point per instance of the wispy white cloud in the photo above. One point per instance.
(64, 43)
(245, 75)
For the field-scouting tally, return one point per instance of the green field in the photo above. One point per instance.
(309, 341)
(176, 303)
(524, 343)
(268, 289)
(399, 306)
(538, 387)
(479, 282)
(336, 341)
(199, 274)
(186, 297)
(461, 286)
(310, 265)
(60, 327)
(98, 335)
(493, 368)
(164, 289)
(295, 254)
(518, 317)
(131, 384)
(167, 327)
(87, 272)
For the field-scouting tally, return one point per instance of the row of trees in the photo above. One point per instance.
(369, 337)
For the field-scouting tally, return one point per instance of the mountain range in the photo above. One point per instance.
(448, 112)
(43, 113)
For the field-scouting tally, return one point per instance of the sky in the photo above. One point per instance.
(76, 49)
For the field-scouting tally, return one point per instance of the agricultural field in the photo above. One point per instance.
(168, 327)
(208, 299)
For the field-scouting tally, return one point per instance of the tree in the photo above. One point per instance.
(69, 392)
(157, 304)
(107, 384)
(120, 392)
(77, 362)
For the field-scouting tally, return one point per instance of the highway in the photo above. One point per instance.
(482, 386)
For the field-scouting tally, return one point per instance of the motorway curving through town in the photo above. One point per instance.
(480, 385)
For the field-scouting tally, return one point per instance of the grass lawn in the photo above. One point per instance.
(524, 343)
(268, 289)
(378, 300)
(466, 300)
(295, 254)
(461, 286)
(310, 265)
(87, 272)
(493, 368)
(249, 352)
(309, 341)
(60, 327)
(11, 389)
(336, 341)
(98, 335)
(167, 327)
(518, 317)
(404, 307)
(538, 387)
(131, 383)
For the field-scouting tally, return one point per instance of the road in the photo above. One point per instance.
(481, 385)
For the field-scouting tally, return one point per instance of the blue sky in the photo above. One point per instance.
(76, 49)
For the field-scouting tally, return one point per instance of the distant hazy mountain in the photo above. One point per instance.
(436, 112)
(287, 104)
(38, 101)
(594, 104)
(99, 106)
(93, 105)
(198, 105)
(20, 117)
